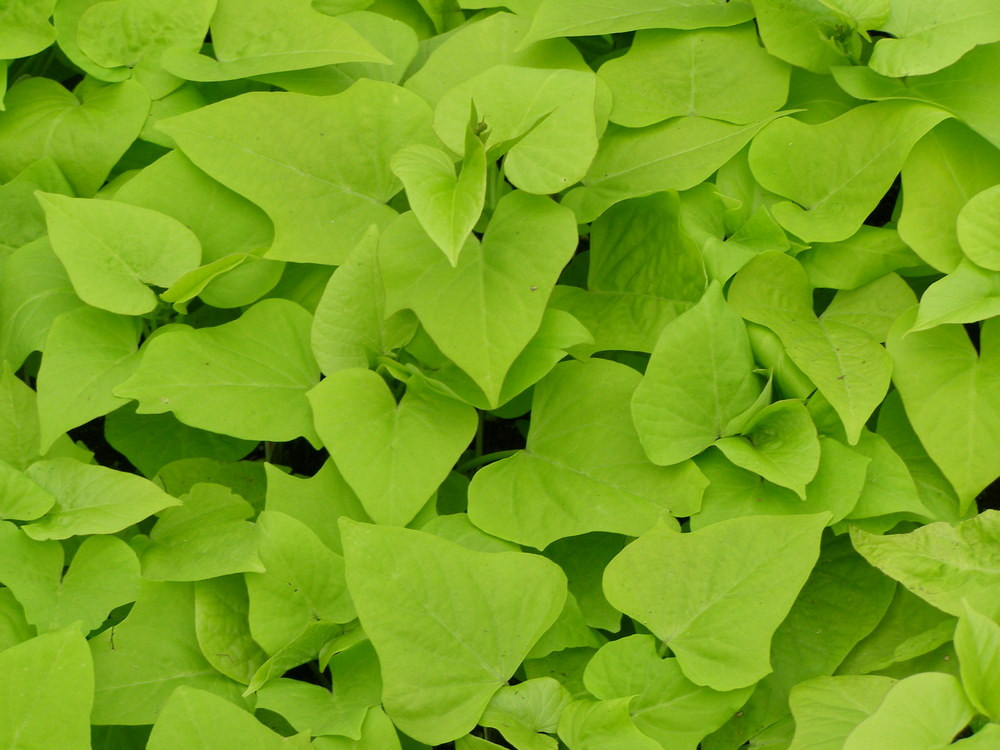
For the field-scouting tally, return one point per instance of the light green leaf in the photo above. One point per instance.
(48, 703)
(667, 706)
(872, 307)
(555, 18)
(139, 662)
(304, 159)
(508, 277)
(254, 37)
(85, 138)
(206, 537)
(133, 35)
(320, 639)
(554, 132)
(90, 351)
(889, 488)
(377, 733)
(966, 295)
(809, 33)
(475, 47)
(198, 720)
(303, 582)
(848, 365)
(394, 456)
(864, 14)
(943, 563)
(977, 642)
(14, 628)
(984, 739)
(702, 592)
(944, 171)
(520, 712)
(247, 378)
(700, 376)
(20, 498)
(780, 444)
(827, 709)
(910, 628)
(923, 712)
(21, 217)
(834, 188)
(34, 291)
(475, 614)
(221, 608)
(26, 30)
(927, 36)
(317, 501)
(866, 256)
(446, 206)
(19, 444)
(245, 478)
(583, 465)
(947, 389)
(92, 499)
(112, 250)
(583, 559)
(977, 227)
(673, 155)
(719, 73)
(603, 725)
(357, 687)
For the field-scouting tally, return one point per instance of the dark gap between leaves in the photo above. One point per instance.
(882, 214)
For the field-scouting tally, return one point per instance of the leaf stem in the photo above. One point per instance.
(480, 460)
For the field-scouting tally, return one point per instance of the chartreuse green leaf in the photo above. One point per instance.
(847, 364)
(21, 217)
(349, 328)
(250, 39)
(20, 498)
(673, 155)
(700, 376)
(986, 737)
(603, 725)
(131, 36)
(446, 206)
(139, 662)
(394, 456)
(978, 229)
(475, 615)
(872, 307)
(780, 444)
(85, 138)
(92, 499)
(833, 189)
(968, 294)
(319, 639)
(810, 34)
(508, 276)
(719, 73)
(317, 501)
(34, 291)
(889, 487)
(90, 351)
(702, 592)
(303, 582)
(247, 378)
(827, 709)
(377, 733)
(927, 36)
(26, 29)
(555, 18)
(943, 563)
(112, 250)
(19, 443)
(583, 464)
(866, 256)
(922, 711)
(583, 559)
(318, 166)
(948, 167)
(977, 641)
(103, 574)
(668, 706)
(554, 131)
(843, 600)
(357, 686)
(47, 696)
(199, 720)
(521, 712)
(14, 628)
(633, 287)
(233, 232)
(949, 390)
(221, 608)
(205, 537)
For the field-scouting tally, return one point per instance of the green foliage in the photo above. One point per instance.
(398, 374)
